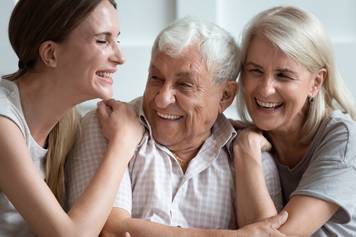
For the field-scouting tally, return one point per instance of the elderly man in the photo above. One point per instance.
(182, 173)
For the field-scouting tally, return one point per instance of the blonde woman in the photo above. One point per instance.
(67, 54)
(290, 90)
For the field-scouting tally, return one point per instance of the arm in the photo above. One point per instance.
(252, 197)
(120, 222)
(27, 190)
(301, 208)
(252, 191)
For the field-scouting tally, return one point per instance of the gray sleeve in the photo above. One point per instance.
(331, 173)
(273, 184)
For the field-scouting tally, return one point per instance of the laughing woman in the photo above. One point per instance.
(67, 53)
(291, 92)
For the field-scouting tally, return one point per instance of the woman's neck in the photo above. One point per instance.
(42, 103)
(288, 148)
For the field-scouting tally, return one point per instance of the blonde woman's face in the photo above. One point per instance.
(275, 87)
(89, 56)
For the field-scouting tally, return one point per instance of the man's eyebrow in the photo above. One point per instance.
(252, 64)
(183, 74)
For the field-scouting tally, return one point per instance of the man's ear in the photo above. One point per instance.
(228, 95)
(318, 82)
(48, 53)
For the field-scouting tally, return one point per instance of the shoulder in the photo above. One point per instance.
(9, 104)
(336, 137)
(90, 126)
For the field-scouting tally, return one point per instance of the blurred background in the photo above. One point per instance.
(142, 20)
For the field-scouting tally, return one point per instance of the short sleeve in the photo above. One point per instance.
(123, 198)
(331, 174)
(271, 175)
(9, 111)
(85, 157)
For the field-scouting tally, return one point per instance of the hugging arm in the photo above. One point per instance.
(120, 222)
(256, 203)
(21, 182)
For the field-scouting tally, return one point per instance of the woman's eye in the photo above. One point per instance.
(101, 41)
(284, 76)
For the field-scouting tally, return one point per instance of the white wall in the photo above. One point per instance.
(141, 21)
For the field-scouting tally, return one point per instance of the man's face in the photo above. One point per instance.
(181, 100)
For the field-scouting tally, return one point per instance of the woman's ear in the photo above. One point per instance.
(47, 51)
(318, 82)
(228, 95)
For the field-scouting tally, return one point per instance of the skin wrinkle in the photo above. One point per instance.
(189, 90)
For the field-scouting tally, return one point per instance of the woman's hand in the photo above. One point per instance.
(119, 122)
(249, 141)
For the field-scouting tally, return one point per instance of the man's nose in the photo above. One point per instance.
(165, 96)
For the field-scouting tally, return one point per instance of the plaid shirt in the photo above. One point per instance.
(154, 186)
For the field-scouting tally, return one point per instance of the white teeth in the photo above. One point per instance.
(104, 74)
(168, 116)
(268, 105)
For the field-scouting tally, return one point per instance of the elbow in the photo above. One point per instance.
(106, 232)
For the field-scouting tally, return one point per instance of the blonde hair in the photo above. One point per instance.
(301, 36)
(60, 141)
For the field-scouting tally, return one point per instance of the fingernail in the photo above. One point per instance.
(284, 217)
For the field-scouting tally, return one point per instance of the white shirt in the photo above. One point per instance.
(11, 222)
(155, 188)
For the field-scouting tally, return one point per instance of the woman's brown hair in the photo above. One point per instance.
(33, 22)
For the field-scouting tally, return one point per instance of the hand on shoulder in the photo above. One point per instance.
(119, 122)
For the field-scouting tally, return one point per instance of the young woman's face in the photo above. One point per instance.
(275, 87)
(89, 56)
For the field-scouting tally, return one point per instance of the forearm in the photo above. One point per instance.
(92, 208)
(252, 197)
(144, 228)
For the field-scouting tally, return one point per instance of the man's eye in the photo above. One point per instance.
(155, 79)
(186, 85)
(255, 71)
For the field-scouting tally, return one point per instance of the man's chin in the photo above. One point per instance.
(162, 139)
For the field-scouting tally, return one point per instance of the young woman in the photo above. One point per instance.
(291, 91)
(67, 54)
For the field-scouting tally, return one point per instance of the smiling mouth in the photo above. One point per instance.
(268, 105)
(168, 116)
(105, 76)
